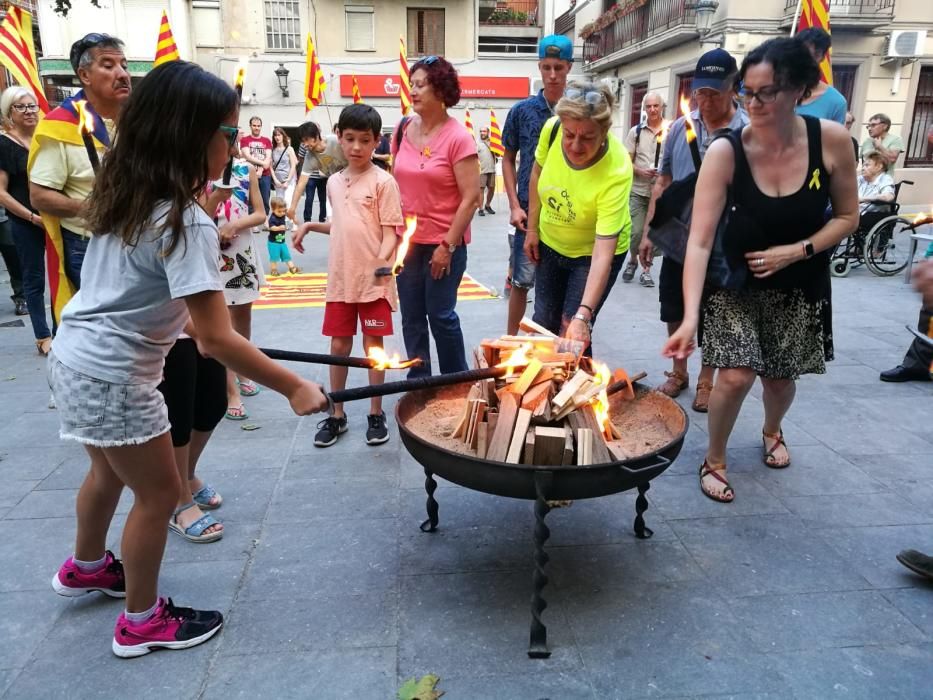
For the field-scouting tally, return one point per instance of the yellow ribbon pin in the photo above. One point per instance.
(815, 180)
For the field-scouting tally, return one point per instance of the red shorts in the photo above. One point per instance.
(340, 318)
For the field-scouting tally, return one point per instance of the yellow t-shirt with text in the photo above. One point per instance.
(579, 205)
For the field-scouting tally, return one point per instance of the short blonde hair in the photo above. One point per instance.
(579, 108)
(277, 202)
(11, 95)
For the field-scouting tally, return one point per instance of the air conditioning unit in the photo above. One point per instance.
(613, 84)
(905, 44)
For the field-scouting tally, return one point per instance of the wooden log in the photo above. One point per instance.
(478, 421)
(545, 375)
(487, 386)
(570, 388)
(584, 446)
(524, 382)
(482, 440)
(567, 459)
(617, 450)
(471, 421)
(600, 453)
(464, 420)
(535, 395)
(528, 456)
(529, 326)
(549, 445)
(522, 421)
(505, 423)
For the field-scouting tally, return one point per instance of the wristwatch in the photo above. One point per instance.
(808, 250)
(451, 247)
(580, 317)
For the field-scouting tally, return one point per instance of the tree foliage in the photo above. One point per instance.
(63, 7)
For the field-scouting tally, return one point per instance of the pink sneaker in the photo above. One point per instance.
(70, 581)
(170, 627)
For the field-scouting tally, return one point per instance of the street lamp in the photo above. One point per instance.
(281, 73)
(705, 9)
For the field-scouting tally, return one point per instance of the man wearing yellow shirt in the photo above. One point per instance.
(579, 224)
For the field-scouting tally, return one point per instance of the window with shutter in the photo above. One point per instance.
(425, 32)
(283, 30)
(638, 94)
(360, 28)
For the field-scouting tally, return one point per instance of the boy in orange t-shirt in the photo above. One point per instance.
(366, 208)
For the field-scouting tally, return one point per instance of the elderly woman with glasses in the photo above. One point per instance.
(579, 224)
(20, 116)
(435, 165)
(782, 170)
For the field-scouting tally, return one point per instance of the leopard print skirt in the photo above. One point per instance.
(778, 333)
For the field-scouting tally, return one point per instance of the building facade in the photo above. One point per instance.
(882, 58)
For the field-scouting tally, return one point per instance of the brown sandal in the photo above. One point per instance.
(43, 346)
(705, 470)
(675, 384)
(701, 400)
(768, 457)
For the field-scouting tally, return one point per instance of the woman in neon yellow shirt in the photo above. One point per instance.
(579, 224)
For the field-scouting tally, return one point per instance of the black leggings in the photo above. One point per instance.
(195, 391)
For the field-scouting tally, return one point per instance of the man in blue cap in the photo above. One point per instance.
(520, 137)
(714, 90)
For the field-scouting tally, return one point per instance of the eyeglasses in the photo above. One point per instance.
(231, 132)
(592, 96)
(871, 125)
(31, 108)
(765, 96)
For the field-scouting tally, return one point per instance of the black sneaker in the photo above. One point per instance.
(330, 429)
(20, 307)
(481, 213)
(490, 210)
(377, 433)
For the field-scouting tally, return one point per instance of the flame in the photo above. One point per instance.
(411, 224)
(519, 357)
(662, 134)
(685, 110)
(85, 118)
(923, 218)
(240, 75)
(600, 402)
(383, 361)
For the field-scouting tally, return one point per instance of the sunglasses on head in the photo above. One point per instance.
(231, 132)
(87, 43)
(591, 96)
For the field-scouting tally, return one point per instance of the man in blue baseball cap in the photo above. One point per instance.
(520, 136)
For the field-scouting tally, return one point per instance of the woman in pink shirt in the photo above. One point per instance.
(435, 164)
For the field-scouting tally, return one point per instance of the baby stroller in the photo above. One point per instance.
(881, 241)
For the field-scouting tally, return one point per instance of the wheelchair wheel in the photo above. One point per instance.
(839, 262)
(887, 246)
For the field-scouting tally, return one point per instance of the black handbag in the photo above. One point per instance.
(736, 233)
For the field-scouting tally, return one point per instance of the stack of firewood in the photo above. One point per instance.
(551, 410)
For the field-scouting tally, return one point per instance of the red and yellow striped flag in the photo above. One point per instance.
(468, 123)
(166, 50)
(357, 98)
(815, 13)
(18, 54)
(495, 135)
(315, 84)
(404, 95)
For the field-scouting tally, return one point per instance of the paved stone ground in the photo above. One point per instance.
(331, 591)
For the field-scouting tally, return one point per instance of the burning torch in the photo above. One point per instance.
(86, 127)
(411, 225)
(690, 133)
(238, 87)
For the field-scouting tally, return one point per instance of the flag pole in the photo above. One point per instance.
(793, 27)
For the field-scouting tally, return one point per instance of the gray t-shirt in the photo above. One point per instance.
(325, 163)
(281, 163)
(130, 309)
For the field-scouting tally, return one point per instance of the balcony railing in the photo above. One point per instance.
(509, 13)
(839, 8)
(648, 20)
(565, 24)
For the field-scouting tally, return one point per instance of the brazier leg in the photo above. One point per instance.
(430, 525)
(537, 647)
(641, 505)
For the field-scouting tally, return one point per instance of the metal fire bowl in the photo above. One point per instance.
(518, 480)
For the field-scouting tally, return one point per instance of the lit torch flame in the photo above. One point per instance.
(662, 134)
(600, 402)
(520, 357)
(85, 118)
(685, 110)
(240, 76)
(411, 223)
(922, 218)
(383, 361)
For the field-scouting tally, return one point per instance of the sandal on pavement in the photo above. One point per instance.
(247, 388)
(208, 498)
(728, 494)
(236, 413)
(768, 457)
(701, 400)
(675, 384)
(195, 531)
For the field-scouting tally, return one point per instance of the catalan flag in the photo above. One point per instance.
(315, 85)
(357, 98)
(495, 135)
(468, 123)
(166, 50)
(18, 54)
(404, 95)
(815, 13)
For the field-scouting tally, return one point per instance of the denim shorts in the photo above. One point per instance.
(102, 414)
(523, 270)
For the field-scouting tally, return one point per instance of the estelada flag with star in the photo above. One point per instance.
(815, 13)
(315, 84)
(166, 49)
(495, 135)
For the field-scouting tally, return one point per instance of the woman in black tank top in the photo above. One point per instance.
(783, 172)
